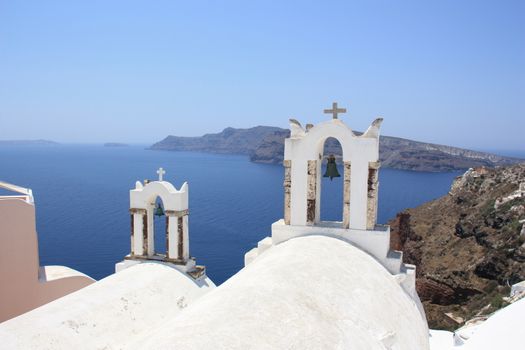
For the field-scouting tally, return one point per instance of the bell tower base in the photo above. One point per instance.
(189, 267)
(375, 242)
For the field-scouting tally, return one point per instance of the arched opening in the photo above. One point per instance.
(331, 188)
(159, 228)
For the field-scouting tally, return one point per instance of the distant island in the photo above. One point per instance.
(265, 144)
(115, 144)
(28, 143)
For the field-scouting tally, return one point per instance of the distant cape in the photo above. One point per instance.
(28, 142)
(265, 144)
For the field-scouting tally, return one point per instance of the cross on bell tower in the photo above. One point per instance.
(335, 111)
(161, 173)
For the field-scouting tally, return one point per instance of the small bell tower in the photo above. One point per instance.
(303, 155)
(143, 209)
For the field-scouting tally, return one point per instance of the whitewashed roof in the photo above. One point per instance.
(307, 293)
(109, 314)
(310, 292)
(503, 330)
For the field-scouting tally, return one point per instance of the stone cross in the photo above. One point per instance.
(334, 111)
(161, 172)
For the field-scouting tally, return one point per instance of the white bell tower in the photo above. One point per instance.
(142, 211)
(303, 155)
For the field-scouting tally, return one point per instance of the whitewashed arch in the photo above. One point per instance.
(302, 161)
(173, 199)
(142, 206)
(313, 141)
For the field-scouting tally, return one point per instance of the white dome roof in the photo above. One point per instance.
(311, 292)
(503, 330)
(108, 314)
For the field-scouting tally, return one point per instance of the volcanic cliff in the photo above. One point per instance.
(468, 245)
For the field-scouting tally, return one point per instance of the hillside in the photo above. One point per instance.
(230, 140)
(265, 144)
(468, 245)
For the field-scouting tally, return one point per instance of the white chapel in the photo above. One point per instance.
(310, 284)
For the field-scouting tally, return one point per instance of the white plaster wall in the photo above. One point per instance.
(374, 242)
(502, 330)
(359, 150)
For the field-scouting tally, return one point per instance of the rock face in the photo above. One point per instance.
(265, 144)
(396, 153)
(413, 155)
(467, 247)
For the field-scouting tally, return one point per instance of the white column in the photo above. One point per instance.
(318, 189)
(151, 231)
(186, 239)
(173, 238)
(373, 186)
(179, 242)
(358, 195)
(298, 191)
(137, 241)
(287, 190)
(137, 237)
(347, 168)
(311, 205)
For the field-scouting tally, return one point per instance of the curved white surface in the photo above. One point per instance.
(503, 330)
(307, 293)
(108, 314)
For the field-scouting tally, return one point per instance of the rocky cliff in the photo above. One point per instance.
(469, 246)
(265, 144)
(230, 140)
(395, 153)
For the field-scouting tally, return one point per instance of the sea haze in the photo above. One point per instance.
(82, 201)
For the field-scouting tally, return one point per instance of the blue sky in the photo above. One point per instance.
(450, 72)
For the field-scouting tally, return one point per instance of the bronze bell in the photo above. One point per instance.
(158, 210)
(331, 168)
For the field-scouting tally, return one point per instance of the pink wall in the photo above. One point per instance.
(23, 284)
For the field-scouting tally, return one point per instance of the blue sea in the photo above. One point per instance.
(82, 201)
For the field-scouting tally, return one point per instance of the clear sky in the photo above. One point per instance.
(447, 71)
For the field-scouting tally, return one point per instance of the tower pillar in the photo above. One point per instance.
(139, 243)
(373, 186)
(178, 235)
(346, 193)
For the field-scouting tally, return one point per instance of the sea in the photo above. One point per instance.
(82, 201)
